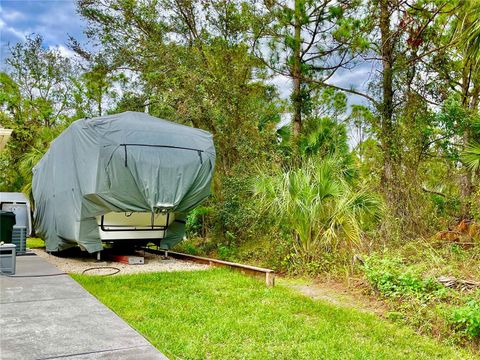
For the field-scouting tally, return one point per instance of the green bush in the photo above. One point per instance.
(225, 252)
(196, 221)
(323, 212)
(467, 318)
(237, 216)
(392, 278)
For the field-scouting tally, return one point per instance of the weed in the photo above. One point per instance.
(467, 318)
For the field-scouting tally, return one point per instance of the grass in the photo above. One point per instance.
(35, 243)
(218, 314)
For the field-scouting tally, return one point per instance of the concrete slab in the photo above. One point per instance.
(22, 287)
(53, 317)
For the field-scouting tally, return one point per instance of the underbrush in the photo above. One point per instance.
(273, 252)
(263, 252)
(467, 318)
(408, 279)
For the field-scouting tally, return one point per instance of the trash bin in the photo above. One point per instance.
(7, 259)
(7, 221)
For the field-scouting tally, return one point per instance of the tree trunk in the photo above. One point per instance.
(466, 184)
(386, 110)
(466, 189)
(99, 103)
(296, 75)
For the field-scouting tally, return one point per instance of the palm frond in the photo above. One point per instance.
(471, 157)
(317, 204)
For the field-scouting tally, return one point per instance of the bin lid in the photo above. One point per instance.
(7, 214)
(8, 246)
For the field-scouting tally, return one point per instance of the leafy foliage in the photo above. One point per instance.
(318, 206)
(37, 101)
(390, 278)
(467, 318)
(471, 157)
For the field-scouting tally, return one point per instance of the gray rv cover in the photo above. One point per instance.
(130, 162)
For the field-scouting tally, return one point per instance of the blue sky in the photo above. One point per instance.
(53, 19)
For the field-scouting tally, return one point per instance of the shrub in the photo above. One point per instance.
(467, 318)
(322, 211)
(196, 221)
(392, 278)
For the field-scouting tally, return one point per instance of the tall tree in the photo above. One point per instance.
(308, 42)
(194, 66)
(457, 69)
(43, 77)
(35, 94)
(468, 25)
(402, 37)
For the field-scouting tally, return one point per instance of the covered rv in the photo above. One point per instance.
(128, 177)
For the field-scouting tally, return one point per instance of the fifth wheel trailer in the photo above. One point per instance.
(124, 178)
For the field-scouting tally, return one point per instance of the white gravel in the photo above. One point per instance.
(78, 263)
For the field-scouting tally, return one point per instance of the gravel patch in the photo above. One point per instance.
(77, 263)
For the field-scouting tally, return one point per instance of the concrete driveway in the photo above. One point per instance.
(53, 317)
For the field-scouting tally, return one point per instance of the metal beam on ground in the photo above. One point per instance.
(267, 274)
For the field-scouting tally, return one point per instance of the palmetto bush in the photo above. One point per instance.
(318, 206)
(471, 157)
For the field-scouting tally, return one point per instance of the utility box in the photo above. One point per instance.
(19, 239)
(7, 259)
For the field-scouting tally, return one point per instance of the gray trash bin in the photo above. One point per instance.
(7, 259)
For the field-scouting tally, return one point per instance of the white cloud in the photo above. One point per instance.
(11, 15)
(54, 20)
(64, 51)
(57, 22)
(11, 30)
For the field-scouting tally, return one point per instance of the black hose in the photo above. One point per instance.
(117, 270)
(31, 276)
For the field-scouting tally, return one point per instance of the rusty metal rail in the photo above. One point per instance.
(267, 274)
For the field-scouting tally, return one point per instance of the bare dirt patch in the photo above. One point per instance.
(78, 262)
(338, 294)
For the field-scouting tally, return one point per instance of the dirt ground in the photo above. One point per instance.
(338, 294)
(81, 262)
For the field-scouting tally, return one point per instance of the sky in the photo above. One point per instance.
(53, 19)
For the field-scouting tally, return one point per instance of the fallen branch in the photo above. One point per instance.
(454, 283)
(424, 189)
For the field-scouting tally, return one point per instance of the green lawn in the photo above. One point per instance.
(219, 314)
(35, 243)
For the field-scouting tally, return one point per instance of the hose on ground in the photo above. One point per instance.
(115, 270)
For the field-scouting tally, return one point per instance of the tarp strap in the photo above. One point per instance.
(162, 146)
